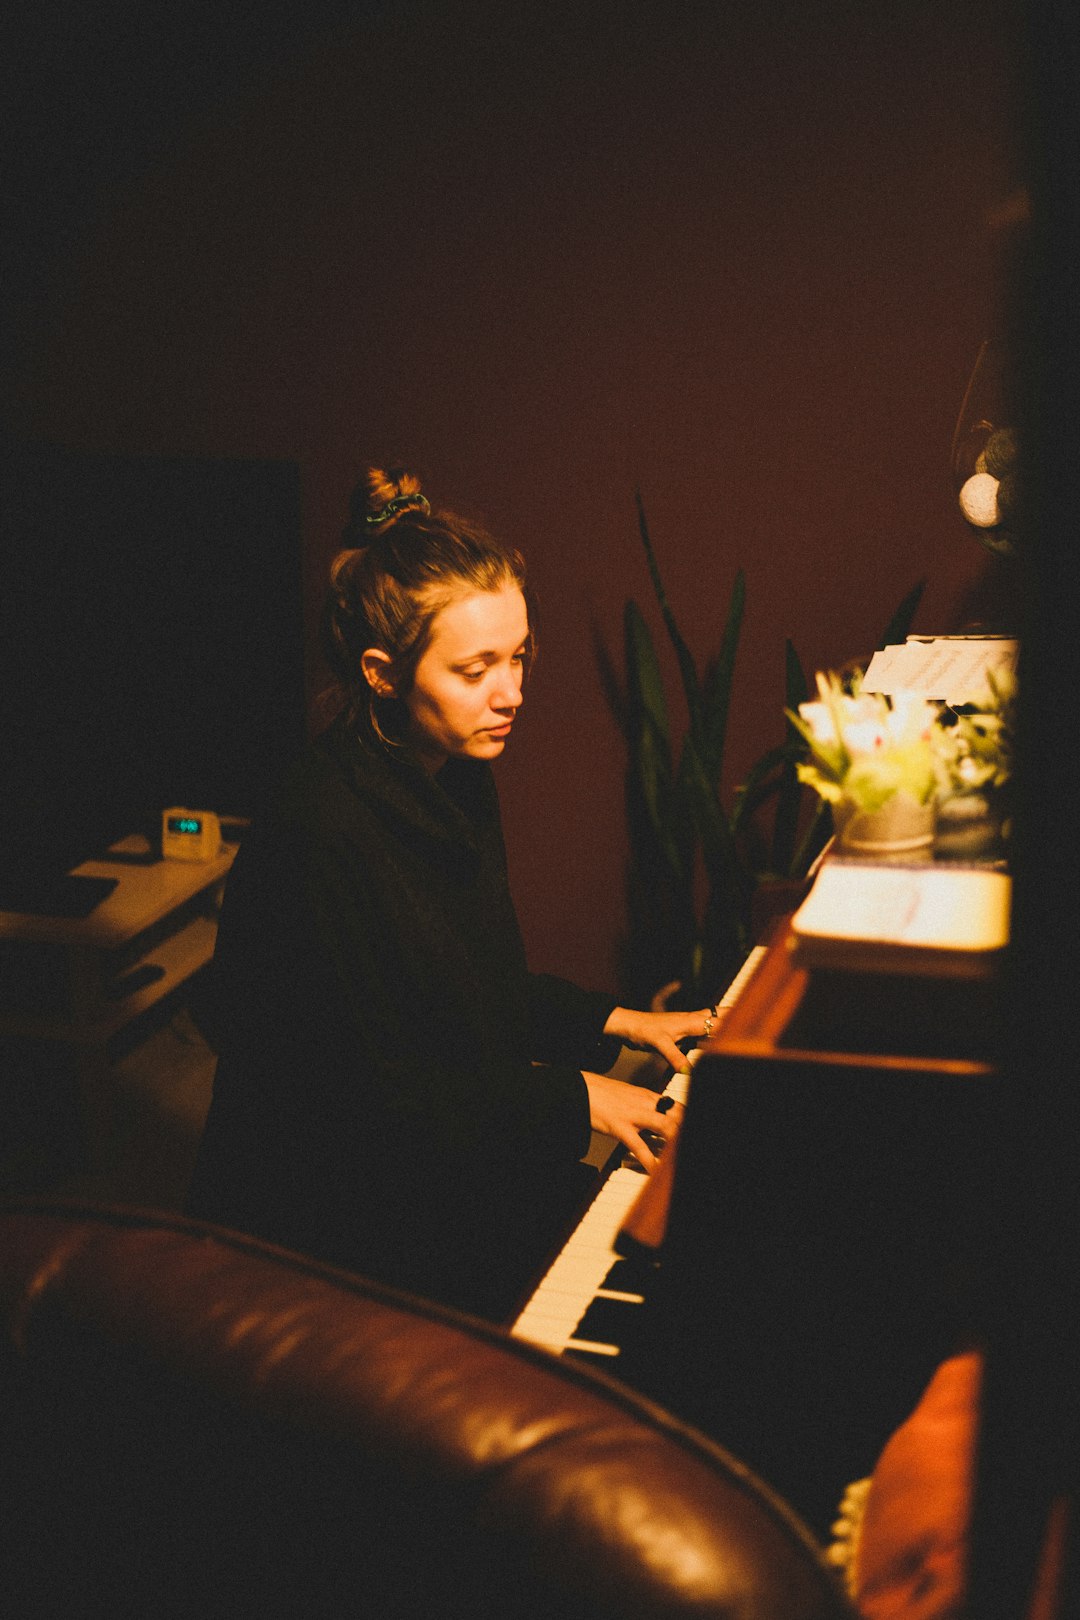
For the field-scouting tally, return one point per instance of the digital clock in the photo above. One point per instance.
(190, 835)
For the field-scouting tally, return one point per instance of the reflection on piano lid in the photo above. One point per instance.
(581, 1304)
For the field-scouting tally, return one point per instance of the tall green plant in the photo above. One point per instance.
(683, 839)
(695, 867)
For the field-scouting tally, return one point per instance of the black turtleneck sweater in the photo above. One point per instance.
(395, 1092)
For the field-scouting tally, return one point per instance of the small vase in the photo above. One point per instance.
(898, 827)
(970, 827)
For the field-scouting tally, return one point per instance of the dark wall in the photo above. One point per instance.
(739, 257)
(138, 669)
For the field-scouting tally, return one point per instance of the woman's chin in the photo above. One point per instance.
(489, 747)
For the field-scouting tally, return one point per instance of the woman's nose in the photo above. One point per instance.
(508, 694)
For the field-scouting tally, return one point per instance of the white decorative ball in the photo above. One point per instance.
(978, 500)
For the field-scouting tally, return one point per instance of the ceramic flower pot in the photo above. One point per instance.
(900, 825)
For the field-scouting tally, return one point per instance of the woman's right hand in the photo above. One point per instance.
(624, 1111)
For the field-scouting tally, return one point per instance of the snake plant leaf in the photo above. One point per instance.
(726, 872)
(661, 805)
(718, 682)
(687, 667)
(719, 937)
(774, 775)
(649, 740)
(813, 839)
(796, 687)
(789, 800)
(900, 624)
(762, 781)
(646, 683)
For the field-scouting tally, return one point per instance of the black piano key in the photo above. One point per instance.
(630, 1276)
(607, 1321)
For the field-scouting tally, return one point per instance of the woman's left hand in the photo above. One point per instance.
(631, 1115)
(661, 1032)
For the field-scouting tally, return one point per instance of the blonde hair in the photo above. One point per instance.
(400, 565)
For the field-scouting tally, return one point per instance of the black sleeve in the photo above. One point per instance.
(568, 1023)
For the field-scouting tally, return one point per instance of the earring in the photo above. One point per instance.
(373, 716)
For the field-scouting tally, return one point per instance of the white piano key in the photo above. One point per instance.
(679, 1084)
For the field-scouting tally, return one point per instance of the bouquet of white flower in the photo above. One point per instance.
(866, 748)
(979, 748)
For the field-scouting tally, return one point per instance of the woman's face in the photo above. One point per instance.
(467, 686)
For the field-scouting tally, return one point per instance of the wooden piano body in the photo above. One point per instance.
(823, 1249)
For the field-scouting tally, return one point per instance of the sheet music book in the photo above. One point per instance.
(941, 921)
(949, 669)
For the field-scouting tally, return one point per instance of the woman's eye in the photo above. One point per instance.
(473, 674)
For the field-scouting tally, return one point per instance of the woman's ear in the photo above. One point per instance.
(376, 668)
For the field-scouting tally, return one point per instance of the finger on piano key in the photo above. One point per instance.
(678, 1086)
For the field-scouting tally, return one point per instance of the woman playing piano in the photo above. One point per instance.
(395, 1091)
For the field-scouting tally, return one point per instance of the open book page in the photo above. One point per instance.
(936, 919)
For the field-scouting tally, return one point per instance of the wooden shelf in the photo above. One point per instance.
(74, 969)
(181, 955)
(143, 896)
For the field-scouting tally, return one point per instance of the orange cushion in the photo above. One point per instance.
(911, 1553)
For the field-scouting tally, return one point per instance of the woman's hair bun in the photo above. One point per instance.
(379, 499)
(388, 492)
(386, 484)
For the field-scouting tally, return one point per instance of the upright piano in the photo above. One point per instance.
(823, 1243)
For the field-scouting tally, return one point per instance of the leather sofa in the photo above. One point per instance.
(194, 1425)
